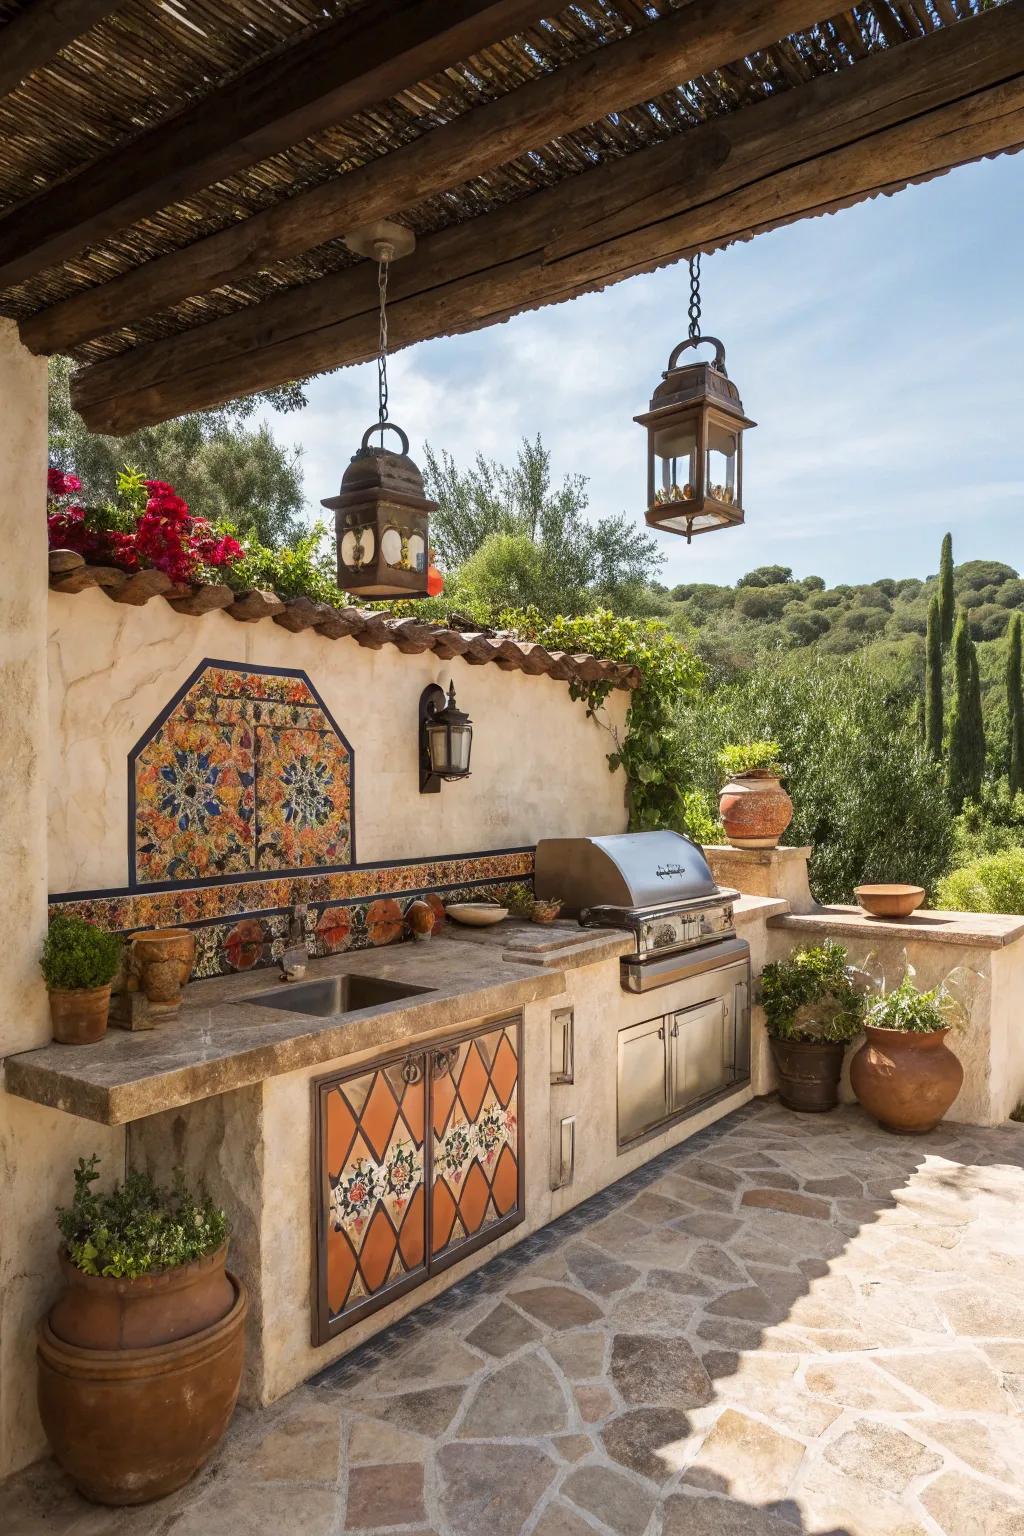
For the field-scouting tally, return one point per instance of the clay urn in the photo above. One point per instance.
(163, 959)
(138, 1378)
(754, 809)
(906, 1081)
(420, 917)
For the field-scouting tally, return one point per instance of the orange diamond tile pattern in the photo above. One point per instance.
(373, 1152)
(476, 1138)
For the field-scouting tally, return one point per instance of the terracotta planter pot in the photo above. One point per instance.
(98, 1312)
(755, 810)
(79, 1015)
(906, 1082)
(164, 960)
(808, 1073)
(132, 1425)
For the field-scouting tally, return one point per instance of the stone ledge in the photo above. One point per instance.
(977, 930)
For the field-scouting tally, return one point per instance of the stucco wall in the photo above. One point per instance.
(539, 765)
(38, 1147)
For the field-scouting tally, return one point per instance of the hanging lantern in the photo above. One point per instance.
(382, 513)
(695, 428)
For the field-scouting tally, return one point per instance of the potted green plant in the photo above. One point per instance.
(79, 961)
(812, 1010)
(522, 902)
(140, 1358)
(754, 808)
(904, 1074)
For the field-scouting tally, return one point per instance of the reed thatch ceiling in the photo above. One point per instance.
(176, 175)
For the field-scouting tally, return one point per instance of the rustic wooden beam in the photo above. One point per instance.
(898, 116)
(686, 44)
(383, 49)
(38, 33)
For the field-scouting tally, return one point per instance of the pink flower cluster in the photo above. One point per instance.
(166, 536)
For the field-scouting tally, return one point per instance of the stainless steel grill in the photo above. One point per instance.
(658, 885)
(689, 1044)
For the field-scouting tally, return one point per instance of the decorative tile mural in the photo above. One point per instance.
(244, 772)
(241, 806)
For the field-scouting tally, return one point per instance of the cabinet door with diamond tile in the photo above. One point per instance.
(372, 1212)
(476, 1177)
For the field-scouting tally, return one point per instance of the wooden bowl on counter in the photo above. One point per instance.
(889, 900)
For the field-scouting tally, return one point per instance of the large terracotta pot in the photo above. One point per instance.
(79, 1014)
(808, 1073)
(906, 1081)
(164, 958)
(98, 1312)
(755, 810)
(130, 1425)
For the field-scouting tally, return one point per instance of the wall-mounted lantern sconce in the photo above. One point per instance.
(446, 739)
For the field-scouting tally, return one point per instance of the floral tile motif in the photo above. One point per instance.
(246, 771)
(373, 1150)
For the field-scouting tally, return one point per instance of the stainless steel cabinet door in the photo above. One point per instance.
(701, 1056)
(643, 1078)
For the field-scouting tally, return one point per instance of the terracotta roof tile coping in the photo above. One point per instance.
(69, 573)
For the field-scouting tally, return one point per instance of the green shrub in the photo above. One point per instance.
(741, 758)
(908, 1010)
(77, 954)
(136, 1228)
(811, 997)
(993, 883)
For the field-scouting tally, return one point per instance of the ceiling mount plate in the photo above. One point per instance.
(383, 240)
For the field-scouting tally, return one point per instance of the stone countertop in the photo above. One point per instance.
(218, 1043)
(976, 930)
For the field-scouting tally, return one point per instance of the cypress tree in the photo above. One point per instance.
(1015, 706)
(933, 710)
(947, 602)
(966, 763)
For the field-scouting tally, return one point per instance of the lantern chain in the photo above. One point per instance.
(694, 296)
(383, 265)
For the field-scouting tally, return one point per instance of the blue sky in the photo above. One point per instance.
(878, 349)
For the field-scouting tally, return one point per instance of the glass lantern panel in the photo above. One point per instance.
(417, 552)
(437, 742)
(462, 738)
(357, 547)
(721, 463)
(391, 546)
(675, 460)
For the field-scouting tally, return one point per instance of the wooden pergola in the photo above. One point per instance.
(176, 176)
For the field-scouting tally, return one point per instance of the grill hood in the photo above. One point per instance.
(629, 869)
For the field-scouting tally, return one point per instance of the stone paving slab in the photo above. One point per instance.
(789, 1326)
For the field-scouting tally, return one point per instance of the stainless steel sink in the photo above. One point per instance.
(330, 995)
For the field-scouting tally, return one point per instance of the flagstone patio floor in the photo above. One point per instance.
(791, 1324)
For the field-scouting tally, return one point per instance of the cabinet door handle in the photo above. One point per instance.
(412, 1069)
(661, 1032)
(675, 1030)
(445, 1060)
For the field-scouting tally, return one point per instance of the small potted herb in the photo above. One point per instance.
(904, 1074)
(812, 1010)
(140, 1358)
(522, 902)
(754, 808)
(79, 961)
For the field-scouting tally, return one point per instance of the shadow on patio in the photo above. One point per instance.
(789, 1326)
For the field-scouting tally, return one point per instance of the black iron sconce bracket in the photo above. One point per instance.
(432, 699)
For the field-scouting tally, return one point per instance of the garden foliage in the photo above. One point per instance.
(812, 996)
(137, 1228)
(77, 954)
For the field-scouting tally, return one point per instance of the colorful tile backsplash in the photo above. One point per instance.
(241, 805)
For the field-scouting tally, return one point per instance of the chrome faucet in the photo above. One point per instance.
(295, 956)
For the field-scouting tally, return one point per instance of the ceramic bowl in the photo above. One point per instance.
(477, 914)
(889, 900)
(545, 911)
